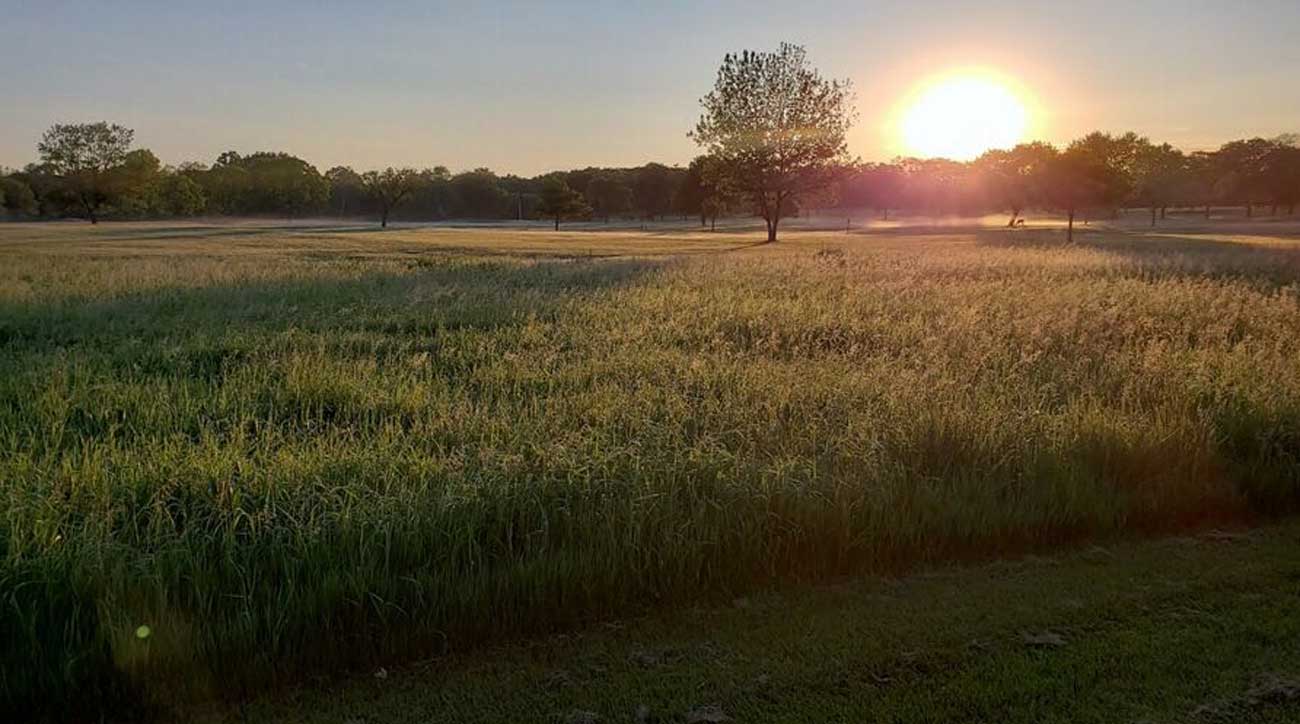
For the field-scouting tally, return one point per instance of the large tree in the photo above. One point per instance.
(776, 128)
(84, 159)
(558, 201)
(389, 188)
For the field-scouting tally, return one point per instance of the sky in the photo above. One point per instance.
(529, 87)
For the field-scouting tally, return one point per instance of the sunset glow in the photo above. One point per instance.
(960, 116)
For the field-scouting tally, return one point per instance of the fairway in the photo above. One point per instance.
(235, 453)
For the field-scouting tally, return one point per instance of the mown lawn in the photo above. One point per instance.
(1194, 630)
(293, 450)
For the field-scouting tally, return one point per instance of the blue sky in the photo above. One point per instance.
(526, 87)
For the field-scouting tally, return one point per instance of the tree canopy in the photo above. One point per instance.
(776, 128)
(558, 201)
(389, 188)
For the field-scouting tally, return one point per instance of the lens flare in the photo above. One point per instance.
(963, 115)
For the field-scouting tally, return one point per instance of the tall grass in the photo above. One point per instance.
(278, 456)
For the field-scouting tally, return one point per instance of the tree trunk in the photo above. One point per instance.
(1153, 217)
(557, 222)
(771, 228)
(713, 223)
(1069, 229)
(383, 219)
(1163, 209)
(886, 217)
(1207, 212)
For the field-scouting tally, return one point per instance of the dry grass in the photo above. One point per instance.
(317, 446)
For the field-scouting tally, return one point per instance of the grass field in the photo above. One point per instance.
(295, 449)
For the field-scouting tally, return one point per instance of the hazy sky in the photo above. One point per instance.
(531, 86)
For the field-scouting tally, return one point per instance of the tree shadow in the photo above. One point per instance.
(425, 295)
(1164, 254)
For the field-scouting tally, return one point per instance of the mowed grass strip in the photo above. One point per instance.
(298, 450)
(1194, 630)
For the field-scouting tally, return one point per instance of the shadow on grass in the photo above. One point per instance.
(489, 291)
(1165, 254)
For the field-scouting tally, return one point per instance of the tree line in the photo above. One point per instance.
(91, 171)
(772, 133)
(1099, 173)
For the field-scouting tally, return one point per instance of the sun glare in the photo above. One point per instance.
(963, 115)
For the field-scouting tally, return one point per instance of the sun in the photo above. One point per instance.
(961, 115)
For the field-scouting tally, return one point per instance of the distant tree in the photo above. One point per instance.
(1240, 172)
(653, 190)
(136, 181)
(1200, 180)
(688, 199)
(177, 194)
(1074, 180)
(1013, 179)
(347, 191)
(264, 183)
(84, 159)
(1111, 161)
(479, 195)
(875, 186)
(935, 186)
(1281, 174)
(776, 128)
(16, 196)
(226, 185)
(608, 195)
(433, 197)
(557, 201)
(389, 188)
(285, 184)
(1159, 174)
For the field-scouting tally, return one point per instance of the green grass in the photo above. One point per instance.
(1198, 630)
(296, 450)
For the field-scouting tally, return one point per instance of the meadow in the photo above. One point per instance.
(236, 454)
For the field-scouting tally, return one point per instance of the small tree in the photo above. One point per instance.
(776, 128)
(83, 157)
(389, 188)
(558, 201)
